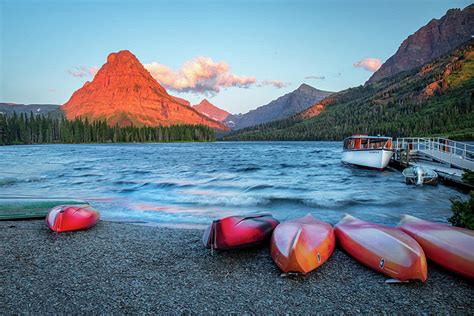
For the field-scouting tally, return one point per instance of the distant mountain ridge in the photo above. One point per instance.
(207, 108)
(430, 42)
(434, 99)
(283, 107)
(124, 93)
(42, 109)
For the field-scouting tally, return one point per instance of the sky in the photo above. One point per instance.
(237, 54)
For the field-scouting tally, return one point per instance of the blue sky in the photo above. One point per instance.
(262, 42)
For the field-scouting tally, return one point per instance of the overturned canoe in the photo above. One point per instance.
(239, 231)
(301, 245)
(450, 247)
(65, 218)
(385, 249)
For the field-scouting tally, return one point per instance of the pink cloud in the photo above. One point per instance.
(82, 71)
(369, 64)
(200, 75)
(276, 83)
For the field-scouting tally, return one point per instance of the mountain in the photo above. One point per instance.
(283, 107)
(207, 108)
(42, 109)
(434, 99)
(124, 93)
(430, 42)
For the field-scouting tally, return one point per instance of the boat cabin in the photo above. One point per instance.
(365, 142)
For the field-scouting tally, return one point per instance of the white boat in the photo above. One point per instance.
(420, 175)
(372, 152)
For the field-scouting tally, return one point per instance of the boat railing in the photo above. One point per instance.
(456, 153)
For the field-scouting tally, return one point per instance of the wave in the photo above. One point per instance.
(248, 169)
(8, 181)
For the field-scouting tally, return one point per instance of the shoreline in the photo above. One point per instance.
(118, 267)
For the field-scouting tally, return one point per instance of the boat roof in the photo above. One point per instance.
(367, 136)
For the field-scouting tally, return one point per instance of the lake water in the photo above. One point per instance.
(189, 184)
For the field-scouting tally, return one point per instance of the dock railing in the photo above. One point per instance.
(454, 153)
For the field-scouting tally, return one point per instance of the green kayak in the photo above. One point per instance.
(26, 208)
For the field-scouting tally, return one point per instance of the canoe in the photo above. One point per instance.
(384, 249)
(65, 218)
(450, 247)
(302, 245)
(14, 208)
(239, 231)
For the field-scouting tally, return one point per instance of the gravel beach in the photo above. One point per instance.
(126, 268)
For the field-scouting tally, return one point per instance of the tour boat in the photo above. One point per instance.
(372, 152)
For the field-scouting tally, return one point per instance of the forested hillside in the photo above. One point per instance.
(38, 129)
(435, 99)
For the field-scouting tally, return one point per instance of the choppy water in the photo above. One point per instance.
(188, 184)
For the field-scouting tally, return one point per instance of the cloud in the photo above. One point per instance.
(51, 90)
(276, 83)
(315, 77)
(200, 75)
(369, 64)
(82, 71)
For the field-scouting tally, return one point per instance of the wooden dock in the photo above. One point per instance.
(447, 157)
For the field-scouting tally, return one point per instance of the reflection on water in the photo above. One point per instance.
(192, 183)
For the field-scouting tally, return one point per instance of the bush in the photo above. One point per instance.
(463, 212)
(468, 177)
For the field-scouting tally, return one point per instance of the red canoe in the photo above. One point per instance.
(384, 249)
(65, 218)
(450, 247)
(239, 231)
(301, 245)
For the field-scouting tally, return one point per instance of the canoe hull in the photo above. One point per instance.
(302, 245)
(450, 247)
(383, 249)
(239, 231)
(64, 218)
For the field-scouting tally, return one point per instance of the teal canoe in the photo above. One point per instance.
(29, 208)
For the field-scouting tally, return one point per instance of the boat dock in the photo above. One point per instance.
(447, 157)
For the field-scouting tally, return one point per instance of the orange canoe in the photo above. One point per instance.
(384, 249)
(64, 218)
(450, 247)
(301, 245)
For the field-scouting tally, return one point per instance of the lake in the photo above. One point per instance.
(189, 184)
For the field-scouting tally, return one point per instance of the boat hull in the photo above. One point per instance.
(383, 249)
(239, 231)
(65, 218)
(377, 159)
(302, 245)
(450, 247)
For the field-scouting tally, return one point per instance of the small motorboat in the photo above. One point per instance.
(450, 247)
(384, 249)
(64, 218)
(371, 152)
(302, 245)
(420, 175)
(239, 231)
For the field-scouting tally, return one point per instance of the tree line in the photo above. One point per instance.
(37, 129)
